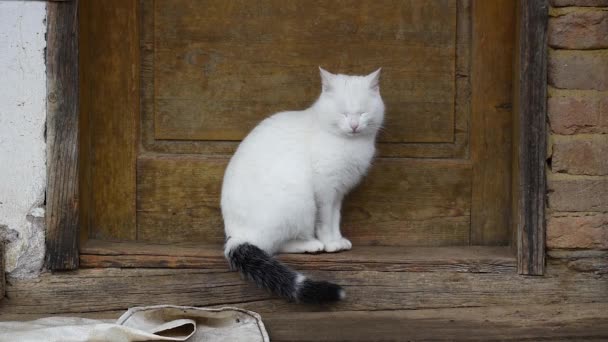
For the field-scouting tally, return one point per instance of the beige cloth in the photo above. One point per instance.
(151, 323)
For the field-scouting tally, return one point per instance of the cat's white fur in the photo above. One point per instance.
(284, 186)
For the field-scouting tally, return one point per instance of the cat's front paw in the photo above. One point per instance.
(338, 245)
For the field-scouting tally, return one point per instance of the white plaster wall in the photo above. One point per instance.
(22, 141)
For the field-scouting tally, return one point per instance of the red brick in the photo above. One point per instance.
(562, 3)
(579, 69)
(579, 30)
(586, 155)
(578, 193)
(572, 230)
(576, 113)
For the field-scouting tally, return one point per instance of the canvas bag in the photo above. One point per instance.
(150, 323)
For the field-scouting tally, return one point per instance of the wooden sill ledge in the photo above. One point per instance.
(471, 259)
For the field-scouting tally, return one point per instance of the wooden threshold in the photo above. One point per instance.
(471, 259)
(511, 323)
(97, 291)
(555, 322)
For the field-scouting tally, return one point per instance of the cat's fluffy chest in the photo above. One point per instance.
(339, 163)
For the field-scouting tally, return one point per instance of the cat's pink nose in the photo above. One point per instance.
(354, 124)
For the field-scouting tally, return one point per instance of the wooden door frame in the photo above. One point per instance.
(530, 135)
(529, 110)
(62, 110)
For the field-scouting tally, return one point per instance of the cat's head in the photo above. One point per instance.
(350, 105)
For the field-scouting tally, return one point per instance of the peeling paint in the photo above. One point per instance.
(22, 144)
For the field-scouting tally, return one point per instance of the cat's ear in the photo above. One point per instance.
(326, 79)
(374, 80)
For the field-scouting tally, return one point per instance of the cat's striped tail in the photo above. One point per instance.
(274, 276)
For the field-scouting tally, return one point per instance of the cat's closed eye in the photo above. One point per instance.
(362, 114)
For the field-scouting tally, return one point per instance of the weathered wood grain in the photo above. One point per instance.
(179, 199)
(111, 289)
(362, 258)
(556, 322)
(219, 69)
(491, 122)
(530, 94)
(411, 203)
(508, 323)
(111, 102)
(84, 124)
(407, 202)
(401, 202)
(458, 148)
(62, 136)
(452, 148)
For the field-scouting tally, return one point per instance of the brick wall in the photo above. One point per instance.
(578, 119)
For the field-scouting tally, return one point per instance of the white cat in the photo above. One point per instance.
(284, 186)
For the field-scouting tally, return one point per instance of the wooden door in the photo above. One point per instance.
(170, 87)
